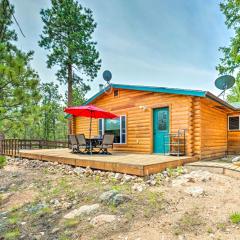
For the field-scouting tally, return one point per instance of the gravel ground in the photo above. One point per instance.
(37, 198)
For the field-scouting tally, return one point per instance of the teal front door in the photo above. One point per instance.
(160, 130)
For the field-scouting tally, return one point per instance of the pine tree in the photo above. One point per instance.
(19, 83)
(67, 35)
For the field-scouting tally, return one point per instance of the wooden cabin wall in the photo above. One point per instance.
(213, 130)
(139, 121)
(234, 139)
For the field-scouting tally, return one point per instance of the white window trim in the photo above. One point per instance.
(103, 129)
(234, 130)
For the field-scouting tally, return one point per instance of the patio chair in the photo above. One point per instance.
(107, 142)
(74, 143)
(82, 143)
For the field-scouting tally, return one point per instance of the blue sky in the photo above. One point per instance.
(167, 43)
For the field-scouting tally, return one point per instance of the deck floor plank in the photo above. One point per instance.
(130, 163)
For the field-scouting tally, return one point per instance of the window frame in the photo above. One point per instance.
(234, 130)
(120, 117)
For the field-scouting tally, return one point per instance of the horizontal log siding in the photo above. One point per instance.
(213, 130)
(139, 122)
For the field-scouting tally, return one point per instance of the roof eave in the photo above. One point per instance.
(222, 102)
(149, 89)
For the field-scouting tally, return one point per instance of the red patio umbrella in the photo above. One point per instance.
(89, 111)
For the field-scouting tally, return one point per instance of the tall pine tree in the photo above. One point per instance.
(67, 35)
(18, 81)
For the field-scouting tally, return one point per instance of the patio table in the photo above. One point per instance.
(96, 141)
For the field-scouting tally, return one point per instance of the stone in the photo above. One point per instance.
(102, 219)
(79, 170)
(108, 196)
(55, 230)
(153, 183)
(120, 198)
(83, 210)
(118, 176)
(138, 187)
(194, 191)
(236, 159)
(179, 181)
(127, 178)
(194, 176)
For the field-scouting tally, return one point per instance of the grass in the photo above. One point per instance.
(71, 222)
(3, 161)
(235, 217)
(12, 234)
(189, 222)
(221, 226)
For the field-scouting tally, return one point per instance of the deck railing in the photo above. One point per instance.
(12, 147)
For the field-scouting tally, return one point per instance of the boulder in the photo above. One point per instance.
(102, 219)
(83, 210)
(194, 176)
(194, 191)
(120, 198)
(108, 196)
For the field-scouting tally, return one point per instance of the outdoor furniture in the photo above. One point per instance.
(82, 143)
(92, 112)
(107, 142)
(74, 143)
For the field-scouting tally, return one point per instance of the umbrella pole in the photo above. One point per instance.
(90, 131)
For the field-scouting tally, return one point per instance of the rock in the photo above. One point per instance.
(55, 230)
(181, 237)
(120, 198)
(236, 159)
(79, 170)
(194, 176)
(127, 178)
(179, 181)
(118, 176)
(153, 183)
(83, 210)
(108, 196)
(138, 187)
(194, 191)
(102, 219)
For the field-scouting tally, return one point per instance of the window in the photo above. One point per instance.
(233, 123)
(100, 127)
(115, 93)
(162, 121)
(113, 126)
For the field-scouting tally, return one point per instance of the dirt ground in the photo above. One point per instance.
(34, 201)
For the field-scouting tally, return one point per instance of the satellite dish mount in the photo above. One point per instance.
(107, 76)
(224, 83)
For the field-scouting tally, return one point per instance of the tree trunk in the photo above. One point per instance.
(70, 90)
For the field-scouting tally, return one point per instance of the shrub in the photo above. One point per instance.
(235, 217)
(2, 161)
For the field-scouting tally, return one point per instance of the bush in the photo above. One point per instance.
(2, 161)
(235, 217)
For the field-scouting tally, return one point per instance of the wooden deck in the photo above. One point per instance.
(136, 164)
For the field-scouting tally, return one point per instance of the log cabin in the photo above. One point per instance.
(157, 120)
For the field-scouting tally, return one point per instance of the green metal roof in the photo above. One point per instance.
(188, 92)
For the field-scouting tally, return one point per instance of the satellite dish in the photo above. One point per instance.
(107, 76)
(224, 82)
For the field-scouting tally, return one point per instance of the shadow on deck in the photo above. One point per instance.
(130, 163)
